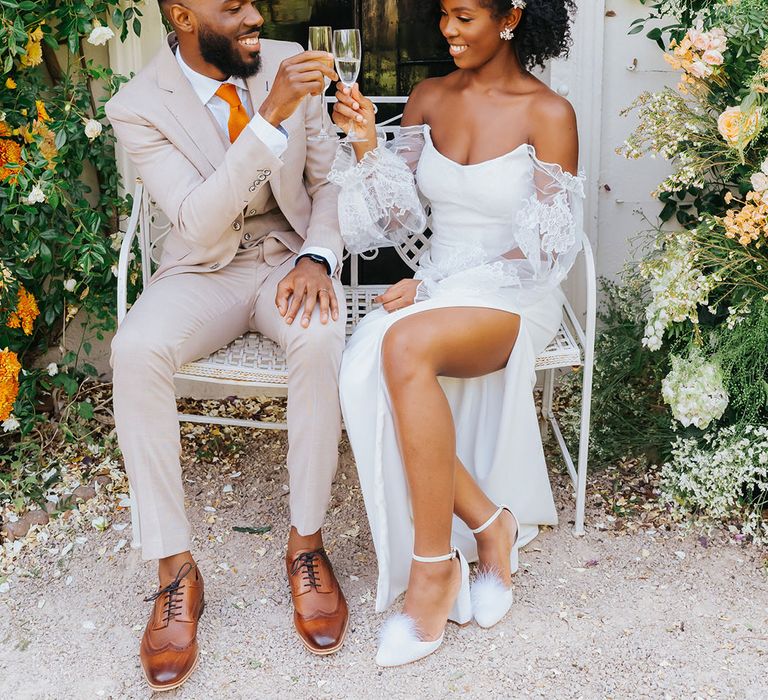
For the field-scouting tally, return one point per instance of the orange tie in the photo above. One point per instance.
(238, 117)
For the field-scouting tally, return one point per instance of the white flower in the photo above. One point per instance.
(100, 523)
(695, 391)
(10, 424)
(759, 182)
(764, 167)
(52, 369)
(70, 285)
(100, 35)
(678, 288)
(115, 270)
(92, 129)
(35, 196)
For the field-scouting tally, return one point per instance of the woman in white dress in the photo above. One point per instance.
(436, 386)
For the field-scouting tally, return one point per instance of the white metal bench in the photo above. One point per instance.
(255, 361)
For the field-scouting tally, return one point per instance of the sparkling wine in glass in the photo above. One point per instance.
(348, 49)
(321, 39)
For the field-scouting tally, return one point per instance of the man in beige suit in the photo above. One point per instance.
(217, 126)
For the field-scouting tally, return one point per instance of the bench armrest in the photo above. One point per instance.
(124, 261)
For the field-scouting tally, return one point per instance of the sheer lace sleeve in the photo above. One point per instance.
(543, 244)
(379, 203)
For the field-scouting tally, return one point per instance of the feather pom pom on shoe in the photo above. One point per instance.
(399, 642)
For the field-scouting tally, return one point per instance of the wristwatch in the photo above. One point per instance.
(318, 259)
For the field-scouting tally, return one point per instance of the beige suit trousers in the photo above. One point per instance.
(183, 317)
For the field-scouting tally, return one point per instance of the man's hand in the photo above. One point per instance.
(399, 295)
(297, 77)
(309, 283)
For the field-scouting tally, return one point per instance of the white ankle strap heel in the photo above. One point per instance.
(400, 642)
(492, 597)
(434, 560)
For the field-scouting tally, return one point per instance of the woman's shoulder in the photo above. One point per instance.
(549, 109)
(424, 95)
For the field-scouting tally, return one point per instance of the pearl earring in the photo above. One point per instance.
(507, 34)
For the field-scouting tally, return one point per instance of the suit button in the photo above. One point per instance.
(267, 172)
(252, 212)
(237, 226)
(252, 188)
(215, 266)
(247, 236)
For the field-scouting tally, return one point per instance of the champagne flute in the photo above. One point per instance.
(320, 39)
(347, 49)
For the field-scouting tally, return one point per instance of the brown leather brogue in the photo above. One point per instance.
(169, 651)
(320, 611)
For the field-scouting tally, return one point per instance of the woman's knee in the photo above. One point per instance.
(404, 354)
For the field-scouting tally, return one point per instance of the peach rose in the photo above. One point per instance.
(699, 40)
(739, 128)
(717, 41)
(712, 58)
(699, 69)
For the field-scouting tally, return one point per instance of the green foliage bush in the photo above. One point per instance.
(60, 204)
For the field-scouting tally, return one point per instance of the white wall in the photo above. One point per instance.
(633, 64)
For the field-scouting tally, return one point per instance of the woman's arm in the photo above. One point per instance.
(554, 132)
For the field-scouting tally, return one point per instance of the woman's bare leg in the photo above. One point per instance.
(494, 544)
(455, 342)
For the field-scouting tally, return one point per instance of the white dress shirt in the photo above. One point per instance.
(276, 139)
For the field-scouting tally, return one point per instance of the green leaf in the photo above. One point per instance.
(60, 139)
(85, 410)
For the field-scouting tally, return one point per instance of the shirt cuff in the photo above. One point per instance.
(275, 138)
(326, 253)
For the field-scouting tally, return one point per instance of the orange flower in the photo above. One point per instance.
(9, 382)
(10, 152)
(26, 312)
(5, 130)
(10, 83)
(42, 114)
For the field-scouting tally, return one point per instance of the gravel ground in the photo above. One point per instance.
(653, 613)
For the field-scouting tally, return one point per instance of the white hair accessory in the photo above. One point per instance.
(518, 4)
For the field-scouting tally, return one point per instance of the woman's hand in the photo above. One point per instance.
(399, 295)
(353, 106)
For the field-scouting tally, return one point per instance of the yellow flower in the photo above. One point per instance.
(750, 223)
(764, 58)
(739, 128)
(33, 53)
(10, 152)
(42, 114)
(10, 83)
(9, 382)
(26, 312)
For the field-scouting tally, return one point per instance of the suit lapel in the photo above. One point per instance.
(189, 112)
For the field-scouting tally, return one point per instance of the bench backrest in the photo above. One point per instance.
(154, 226)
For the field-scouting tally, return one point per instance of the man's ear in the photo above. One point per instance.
(181, 18)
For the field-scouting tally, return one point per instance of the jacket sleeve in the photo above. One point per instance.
(195, 205)
(323, 229)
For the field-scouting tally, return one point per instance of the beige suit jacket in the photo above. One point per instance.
(205, 188)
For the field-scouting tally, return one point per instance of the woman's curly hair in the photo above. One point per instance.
(544, 31)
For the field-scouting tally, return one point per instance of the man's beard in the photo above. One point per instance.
(219, 51)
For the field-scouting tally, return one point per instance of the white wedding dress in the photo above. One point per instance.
(505, 232)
